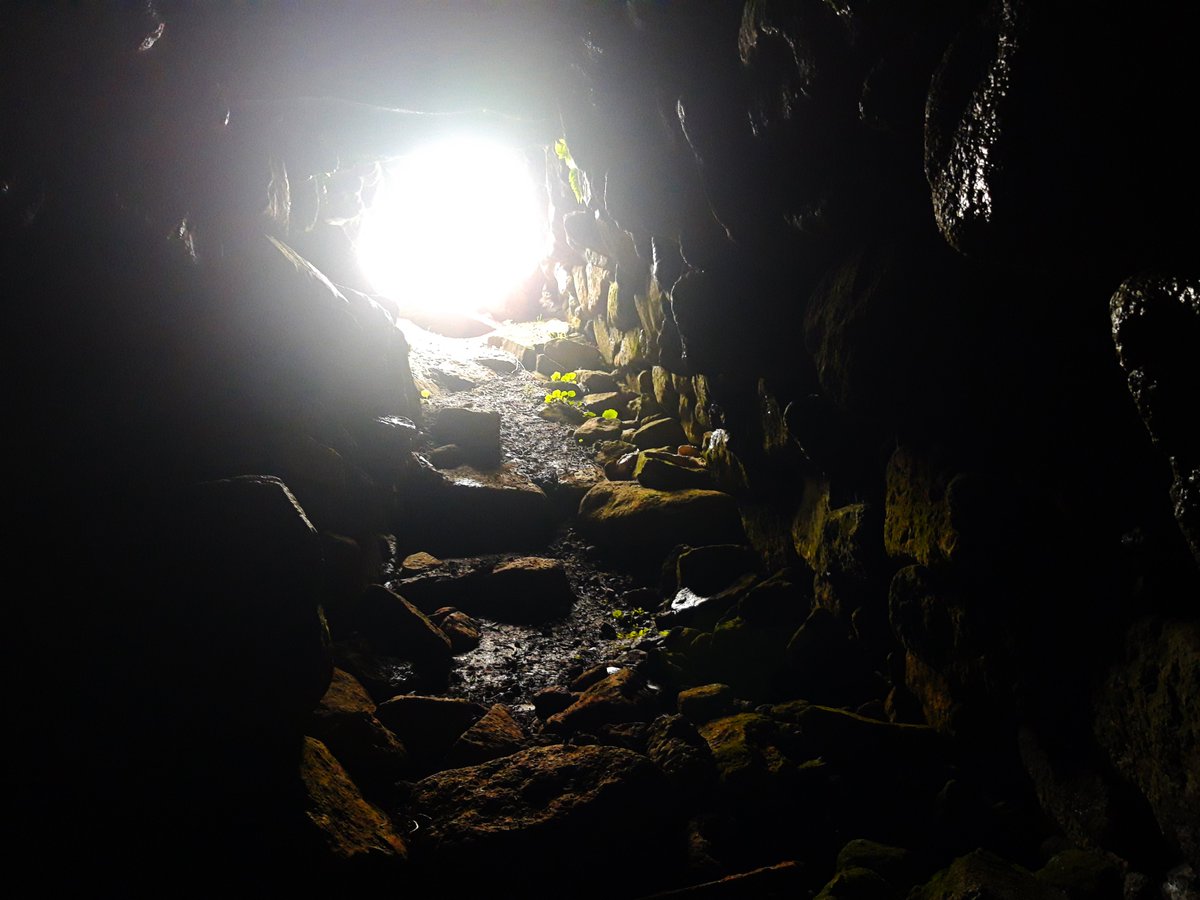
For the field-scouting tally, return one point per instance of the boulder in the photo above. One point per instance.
(624, 516)
(581, 807)
(708, 570)
(475, 432)
(460, 629)
(566, 355)
(674, 745)
(1147, 720)
(659, 432)
(346, 830)
(345, 723)
(706, 702)
(526, 589)
(623, 696)
(671, 472)
(496, 734)
(693, 610)
(466, 510)
(398, 628)
(598, 429)
(428, 726)
(982, 875)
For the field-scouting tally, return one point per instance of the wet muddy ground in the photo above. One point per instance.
(513, 662)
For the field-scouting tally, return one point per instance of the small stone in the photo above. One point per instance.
(617, 698)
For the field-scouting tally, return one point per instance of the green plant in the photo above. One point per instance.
(575, 176)
(567, 396)
(640, 624)
(610, 414)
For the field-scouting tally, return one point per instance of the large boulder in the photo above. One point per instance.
(344, 721)
(580, 807)
(624, 516)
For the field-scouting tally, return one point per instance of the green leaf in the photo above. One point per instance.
(576, 185)
(425, 395)
(588, 414)
(568, 393)
(610, 414)
(548, 398)
(569, 376)
(556, 376)
(561, 151)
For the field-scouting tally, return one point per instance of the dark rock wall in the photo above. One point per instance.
(876, 243)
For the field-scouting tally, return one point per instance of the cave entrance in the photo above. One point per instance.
(456, 226)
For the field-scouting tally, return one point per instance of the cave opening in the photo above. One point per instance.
(786, 490)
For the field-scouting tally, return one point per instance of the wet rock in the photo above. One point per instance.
(447, 456)
(895, 864)
(945, 657)
(750, 756)
(333, 491)
(243, 633)
(598, 429)
(982, 874)
(662, 432)
(622, 468)
(618, 401)
(460, 511)
(527, 589)
(625, 516)
(706, 702)
(1155, 323)
(708, 570)
(348, 831)
(432, 587)
(783, 879)
(568, 355)
(854, 883)
(496, 734)
(384, 443)
(475, 432)
(582, 807)
(674, 745)
(1083, 874)
(621, 697)
(398, 628)
(750, 656)
(416, 563)
(344, 721)
(382, 676)
(667, 471)
(694, 610)
(1148, 722)
(595, 381)
(460, 629)
(551, 700)
(428, 726)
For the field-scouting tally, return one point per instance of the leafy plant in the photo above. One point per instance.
(610, 414)
(575, 176)
(568, 395)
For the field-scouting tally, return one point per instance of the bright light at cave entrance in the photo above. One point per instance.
(454, 226)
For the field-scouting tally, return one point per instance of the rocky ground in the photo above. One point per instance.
(580, 702)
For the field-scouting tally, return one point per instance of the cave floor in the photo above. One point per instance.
(515, 661)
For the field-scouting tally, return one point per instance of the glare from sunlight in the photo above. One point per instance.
(455, 226)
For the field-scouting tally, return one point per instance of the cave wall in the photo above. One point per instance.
(894, 252)
(929, 266)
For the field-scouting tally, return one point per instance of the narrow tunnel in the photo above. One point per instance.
(631, 449)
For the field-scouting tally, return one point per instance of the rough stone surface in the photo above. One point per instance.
(621, 697)
(706, 702)
(350, 830)
(529, 588)
(428, 726)
(460, 629)
(984, 876)
(662, 432)
(345, 723)
(582, 807)
(599, 429)
(667, 471)
(475, 432)
(496, 734)
(398, 628)
(1148, 722)
(625, 516)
